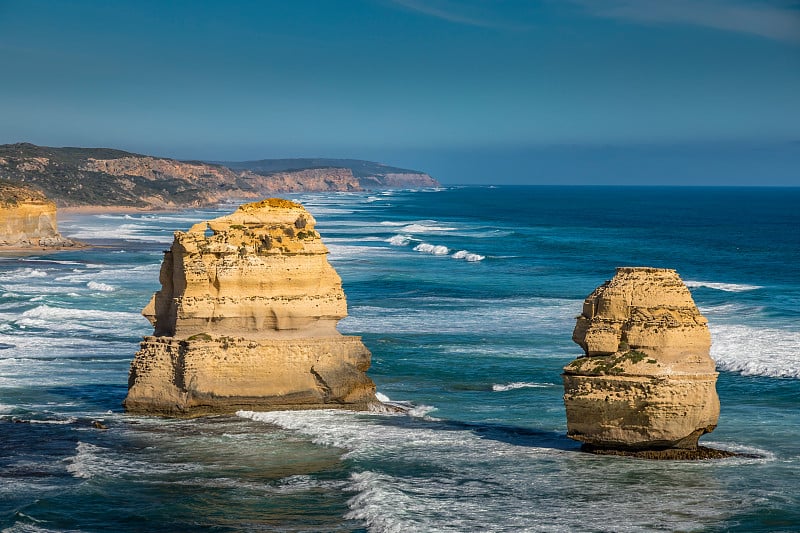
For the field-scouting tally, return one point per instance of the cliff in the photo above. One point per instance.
(246, 319)
(28, 219)
(368, 174)
(101, 176)
(646, 381)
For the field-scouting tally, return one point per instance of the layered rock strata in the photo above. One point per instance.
(246, 319)
(106, 177)
(28, 219)
(646, 381)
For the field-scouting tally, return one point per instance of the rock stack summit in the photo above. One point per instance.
(646, 384)
(246, 319)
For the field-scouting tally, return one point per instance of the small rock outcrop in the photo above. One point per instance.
(28, 219)
(646, 382)
(246, 319)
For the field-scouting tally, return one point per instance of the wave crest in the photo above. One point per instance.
(727, 287)
(432, 249)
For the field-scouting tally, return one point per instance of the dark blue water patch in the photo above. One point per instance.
(96, 396)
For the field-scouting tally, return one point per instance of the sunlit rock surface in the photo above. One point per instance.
(646, 381)
(246, 319)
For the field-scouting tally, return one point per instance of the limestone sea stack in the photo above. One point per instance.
(646, 381)
(246, 319)
(28, 219)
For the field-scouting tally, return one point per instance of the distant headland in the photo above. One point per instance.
(97, 177)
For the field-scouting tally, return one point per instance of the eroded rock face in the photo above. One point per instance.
(246, 319)
(28, 219)
(646, 381)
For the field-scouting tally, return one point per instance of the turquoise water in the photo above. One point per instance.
(466, 298)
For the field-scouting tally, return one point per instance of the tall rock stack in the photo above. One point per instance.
(246, 319)
(646, 381)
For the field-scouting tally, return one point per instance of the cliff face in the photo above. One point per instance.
(28, 219)
(100, 176)
(246, 319)
(311, 180)
(647, 380)
(398, 180)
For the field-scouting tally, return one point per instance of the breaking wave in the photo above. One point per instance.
(519, 385)
(102, 287)
(432, 249)
(750, 351)
(468, 256)
(399, 240)
(727, 287)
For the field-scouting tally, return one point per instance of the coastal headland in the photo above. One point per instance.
(98, 177)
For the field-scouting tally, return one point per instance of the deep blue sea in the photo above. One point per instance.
(467, 298)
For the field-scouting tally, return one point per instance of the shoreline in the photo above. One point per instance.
(104, 209)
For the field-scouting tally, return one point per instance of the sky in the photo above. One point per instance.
(700, 92)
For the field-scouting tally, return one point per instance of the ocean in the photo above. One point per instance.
(467, 297)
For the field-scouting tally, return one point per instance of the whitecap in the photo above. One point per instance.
(102, 287)
(432, 249)
(90, 461)
(382, 397)
(23, 273)
(752, 351)
(727, 287)
(497, 387)
(85, 320)
(399, 240)
(468, 256)
(426, 228)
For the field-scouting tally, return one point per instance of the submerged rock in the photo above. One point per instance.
(646, 381)
(246, 319)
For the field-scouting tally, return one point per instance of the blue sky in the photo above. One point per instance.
(547, 91)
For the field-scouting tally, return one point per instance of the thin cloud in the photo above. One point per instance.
(777, 20)
(479, 14)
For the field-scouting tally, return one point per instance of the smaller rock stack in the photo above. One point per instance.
(646, 384)
(28, 219)
(246, 319)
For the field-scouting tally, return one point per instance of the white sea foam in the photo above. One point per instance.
(78, 320)
(432, 249)
(727, 287)
(343, 251)
(92, 461)
(129, 232)
(752, 351)
(468, 256)
(471, 480)
(102, 287)
(20, 274)
(419, 226)
(399, 240)
(427, 228)
(62, 422)
(520, 385)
